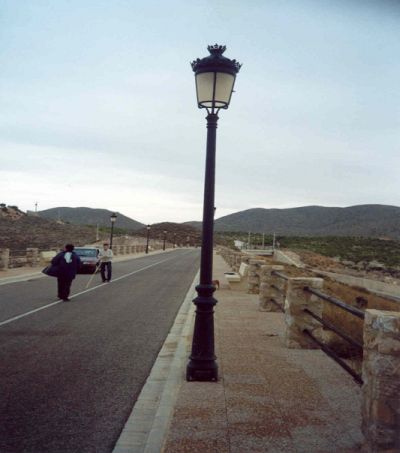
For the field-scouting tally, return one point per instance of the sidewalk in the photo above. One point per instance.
(268, 398)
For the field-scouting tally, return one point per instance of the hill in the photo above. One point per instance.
(178, 233)
(19, 231)
(361, 220)
(90, 216)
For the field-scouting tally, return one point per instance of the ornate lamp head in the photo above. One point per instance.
(215, 79)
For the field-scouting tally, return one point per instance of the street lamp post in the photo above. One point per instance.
(215, 78)
(113, 218)
(148, 237)
(164, 239)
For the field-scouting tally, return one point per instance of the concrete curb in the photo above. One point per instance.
(21, 278)
(147, 426)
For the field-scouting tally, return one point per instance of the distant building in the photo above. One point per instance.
(239, 244)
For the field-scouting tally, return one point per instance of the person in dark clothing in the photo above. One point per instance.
(67, 263)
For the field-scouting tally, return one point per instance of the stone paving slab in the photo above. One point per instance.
(268, 398)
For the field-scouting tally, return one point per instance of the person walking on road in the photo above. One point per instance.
(67, 264)
(105, 257)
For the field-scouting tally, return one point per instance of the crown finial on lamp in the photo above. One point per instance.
(216, 49)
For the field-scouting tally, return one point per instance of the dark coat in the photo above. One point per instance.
(66, 270)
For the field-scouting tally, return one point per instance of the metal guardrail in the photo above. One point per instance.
(326, 349)
(284, 277)
(335, 329)
(281, 308)
(280, 275)
(278, 289)
(339, 303)
(354, 311)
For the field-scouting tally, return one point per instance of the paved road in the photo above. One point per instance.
(70, 373)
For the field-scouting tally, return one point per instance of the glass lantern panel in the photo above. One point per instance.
(223, 89)
(205, 88)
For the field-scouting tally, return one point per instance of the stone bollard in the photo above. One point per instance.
(381, 376)
(4, 259)
(296, 319)
(254, 277)
(32, 256)
(115, 250)
(268, 292)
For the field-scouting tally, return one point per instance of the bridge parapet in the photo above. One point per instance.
(272, 288)
(381, 376)
(296, 318)
(254, 275)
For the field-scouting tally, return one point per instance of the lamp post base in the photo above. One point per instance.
(209, 373)
(202, 364)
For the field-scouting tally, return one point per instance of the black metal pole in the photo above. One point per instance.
(202, 364)
(147, 243)
(165, 237)
(111, 235)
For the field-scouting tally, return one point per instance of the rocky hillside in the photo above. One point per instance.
(89, 216)
(19, 231)
(182, 234)
(362, 220)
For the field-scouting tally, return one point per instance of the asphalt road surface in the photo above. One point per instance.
(70, 372)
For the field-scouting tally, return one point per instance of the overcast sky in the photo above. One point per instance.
(98, 106)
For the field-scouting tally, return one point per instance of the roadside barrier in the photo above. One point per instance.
(272, 288)
(330, 352)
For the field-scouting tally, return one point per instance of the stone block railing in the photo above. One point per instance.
(272, 288)
(296, 319)
(255, 265)
(381, 376)
(32, 256)
(381, 351)
(4, 258)
(233, 258)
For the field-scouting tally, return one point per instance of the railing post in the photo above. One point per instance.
(32, 256)
(381, 376)
(267, 292)
(4, 259)
(253, 276)
(296, 319)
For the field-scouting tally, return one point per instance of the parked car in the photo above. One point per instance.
(89, 259)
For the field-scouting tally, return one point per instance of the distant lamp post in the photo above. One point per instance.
(215, 78)
(164, 239)
(148, 237)
(113, 218)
